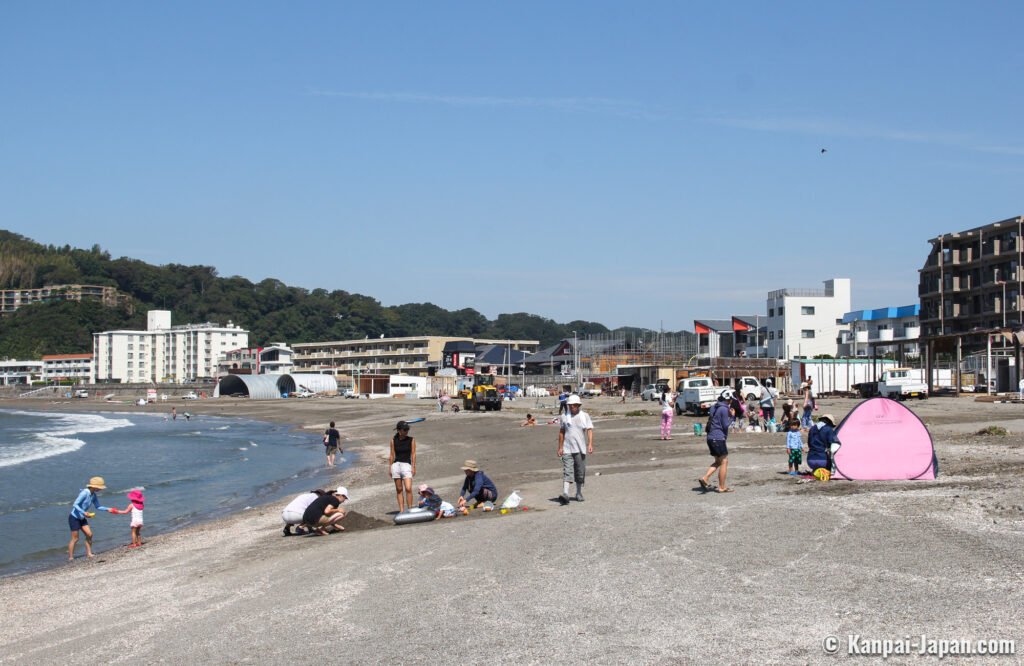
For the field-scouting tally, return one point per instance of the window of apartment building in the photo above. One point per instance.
(806, 309)
(771, 335)
(779, 336)
(771, 312)
(131, 355)
(807, 333)
(129, 364)
(130, 346)
(780, 310)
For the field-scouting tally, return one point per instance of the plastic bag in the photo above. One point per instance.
(512, 501)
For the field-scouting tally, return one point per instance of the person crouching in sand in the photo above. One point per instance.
(325, 514)
(78, 521)
(477, 487)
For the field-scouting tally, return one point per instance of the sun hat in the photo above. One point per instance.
(573, 400)
(136, 498)
(423, 487)
(402, 425)
(471, 466)
(426, 489)
(726, 394)
(97, 482)
(831, 419)
(342, 490)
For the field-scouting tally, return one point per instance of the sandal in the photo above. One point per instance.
(703, 484)
(725, 490)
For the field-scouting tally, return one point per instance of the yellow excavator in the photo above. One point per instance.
(484, 395)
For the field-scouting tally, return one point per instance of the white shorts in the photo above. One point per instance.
(400, 470)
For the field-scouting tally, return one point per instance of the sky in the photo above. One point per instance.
(642, 164)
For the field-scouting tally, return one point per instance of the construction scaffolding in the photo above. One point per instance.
(608, 351)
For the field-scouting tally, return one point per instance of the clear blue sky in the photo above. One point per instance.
(629, 163)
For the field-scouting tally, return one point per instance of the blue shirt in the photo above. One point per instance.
(432, 502)
(474, 484)
(793, 440)
(718, 422)
(82, 502)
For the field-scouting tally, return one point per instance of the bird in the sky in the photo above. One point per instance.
(823, 151)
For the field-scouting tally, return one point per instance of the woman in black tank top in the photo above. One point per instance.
(402, 464)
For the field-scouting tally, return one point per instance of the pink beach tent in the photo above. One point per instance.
(883, 440)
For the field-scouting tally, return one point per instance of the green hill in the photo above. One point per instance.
(270, 309)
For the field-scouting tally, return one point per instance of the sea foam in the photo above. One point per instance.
(54, 438)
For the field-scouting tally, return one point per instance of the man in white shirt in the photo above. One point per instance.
(575, 442)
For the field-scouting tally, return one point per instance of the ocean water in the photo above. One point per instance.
(207, 467)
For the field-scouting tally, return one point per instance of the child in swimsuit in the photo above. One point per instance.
(136, 503)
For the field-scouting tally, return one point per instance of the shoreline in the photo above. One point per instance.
(199, 518)
(576, 584)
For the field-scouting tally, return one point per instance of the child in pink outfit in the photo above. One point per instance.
(667, 412)
(136, 503)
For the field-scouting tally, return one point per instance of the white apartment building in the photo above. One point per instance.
(20, 372)
(163, 353)
(892, 330)
(803, 323)
(61, 367)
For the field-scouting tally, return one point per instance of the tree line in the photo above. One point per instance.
(270, 310)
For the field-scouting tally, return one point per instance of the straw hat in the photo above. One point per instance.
(97, 482)
(831, 419)
(471, 466)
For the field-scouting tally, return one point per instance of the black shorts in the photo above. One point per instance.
(76, 523)
(717, 447)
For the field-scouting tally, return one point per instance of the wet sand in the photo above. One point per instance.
(648, 569)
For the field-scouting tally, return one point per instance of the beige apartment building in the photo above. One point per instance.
(12, 299)
(385, 356)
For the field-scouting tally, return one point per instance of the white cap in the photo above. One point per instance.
(574, 400)
(342, 490)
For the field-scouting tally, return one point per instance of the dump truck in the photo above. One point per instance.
(484, 395)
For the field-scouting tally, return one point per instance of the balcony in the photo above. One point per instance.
(912, 332)
(861, 336)
(884, 335)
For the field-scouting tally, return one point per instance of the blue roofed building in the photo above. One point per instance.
(873, 333)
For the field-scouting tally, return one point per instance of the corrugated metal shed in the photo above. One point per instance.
(309, 381)
(256, 387)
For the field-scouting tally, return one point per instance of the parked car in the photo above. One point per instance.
(590, 390)
(653, 391)
(302, 393)
(81, 393)
(191, 395)
(349, 393)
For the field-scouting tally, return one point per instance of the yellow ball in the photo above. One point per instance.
(822, 474)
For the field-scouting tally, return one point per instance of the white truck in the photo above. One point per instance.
(696, 395)
(589, 390)
(748, 386)
(902, 383)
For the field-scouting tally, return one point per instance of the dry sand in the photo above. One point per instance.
(647, 570)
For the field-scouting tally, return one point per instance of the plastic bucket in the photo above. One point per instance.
(698, 429)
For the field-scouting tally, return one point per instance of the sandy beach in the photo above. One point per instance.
(647, 570)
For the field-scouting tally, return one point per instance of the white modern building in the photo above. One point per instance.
(20, 372)
(64, 367)
(803, 323)
(882, 331)
(163, 353)
(274, 359)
